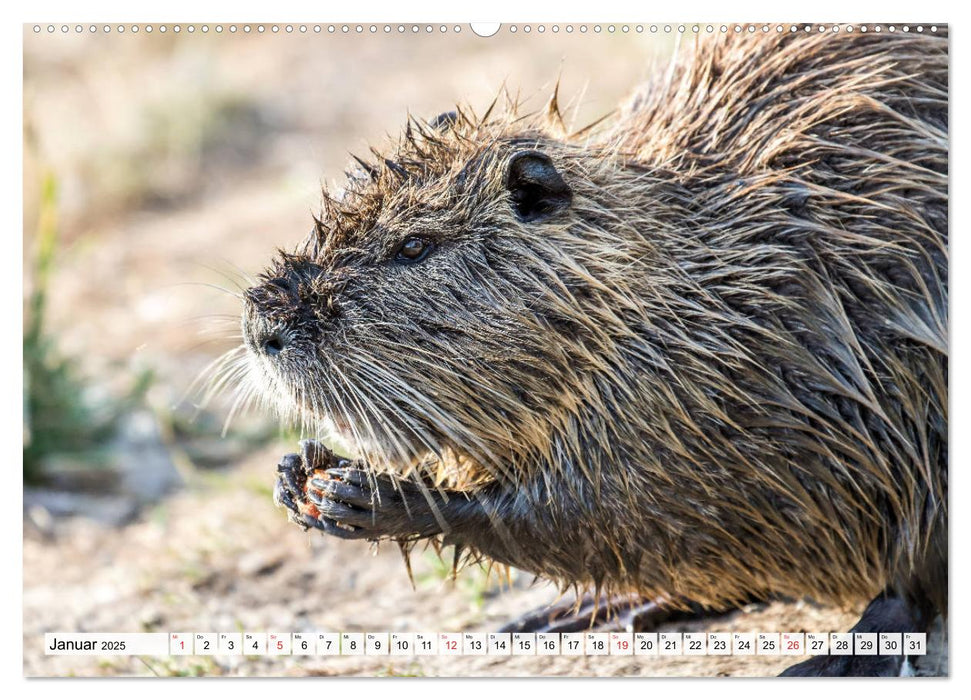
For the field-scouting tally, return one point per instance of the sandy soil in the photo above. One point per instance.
(219, 557)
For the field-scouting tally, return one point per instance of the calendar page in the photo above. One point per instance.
(450, 349)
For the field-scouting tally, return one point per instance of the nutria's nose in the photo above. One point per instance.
(262, 338)
(274, 344)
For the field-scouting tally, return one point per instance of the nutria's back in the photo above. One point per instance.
(816, 170)
(700, 351)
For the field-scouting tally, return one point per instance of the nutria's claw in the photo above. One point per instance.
(358, 477)
(289, 462)
(298, 518)
(343, 492)
(368, 489)
(341, 512)
(315, 456)
(290, 481)
(282, 496)
(290, 470)
(330, 527)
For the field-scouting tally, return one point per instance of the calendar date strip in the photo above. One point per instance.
(484, 644)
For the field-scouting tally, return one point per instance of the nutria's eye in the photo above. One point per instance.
(414, 249)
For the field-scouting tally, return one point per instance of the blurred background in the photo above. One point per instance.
(160, 170)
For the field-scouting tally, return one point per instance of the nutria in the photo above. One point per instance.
(697, 351)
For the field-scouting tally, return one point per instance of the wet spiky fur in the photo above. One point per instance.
(721, 372)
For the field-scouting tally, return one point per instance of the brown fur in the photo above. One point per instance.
(720, 372)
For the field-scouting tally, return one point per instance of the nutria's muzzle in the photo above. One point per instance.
(263, 336)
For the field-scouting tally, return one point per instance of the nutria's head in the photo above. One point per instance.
(431, 309)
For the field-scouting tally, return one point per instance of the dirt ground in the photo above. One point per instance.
(219, 557)
(182, 162)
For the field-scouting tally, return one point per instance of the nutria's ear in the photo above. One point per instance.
(444, 121)
(538, 191)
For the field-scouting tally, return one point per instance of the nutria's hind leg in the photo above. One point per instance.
(886, 613)
(608, 615)
(566, 616)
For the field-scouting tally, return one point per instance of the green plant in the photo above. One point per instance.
(58, 416)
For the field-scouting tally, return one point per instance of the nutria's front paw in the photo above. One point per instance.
(357, 504)
(293, 473)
